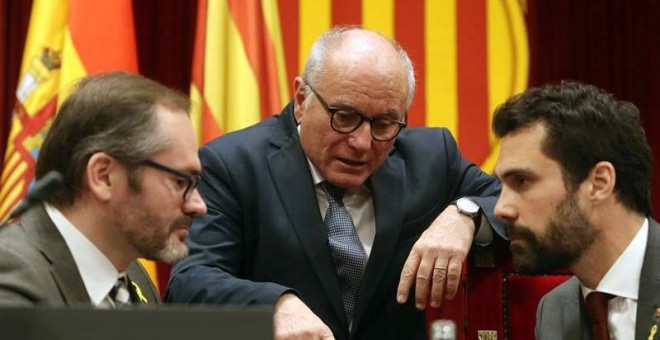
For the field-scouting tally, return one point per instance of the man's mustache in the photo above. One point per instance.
(182, 222)
(519, 231)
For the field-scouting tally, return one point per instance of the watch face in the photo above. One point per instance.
(467, 205)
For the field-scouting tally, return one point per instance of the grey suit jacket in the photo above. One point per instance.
(561, 313)
(36, 267)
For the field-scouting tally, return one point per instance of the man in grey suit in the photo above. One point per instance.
(128, 156)
(576, 171)
(413, 204)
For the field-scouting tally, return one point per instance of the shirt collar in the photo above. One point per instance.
(622, 279)
(316, 175)
(97, 272)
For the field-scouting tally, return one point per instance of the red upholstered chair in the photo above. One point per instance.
(494, 302)
(521, 296)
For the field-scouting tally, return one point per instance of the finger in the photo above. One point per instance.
(454, 276)
(327, 334)
(407, 276)
(439, 277)
(423, 282)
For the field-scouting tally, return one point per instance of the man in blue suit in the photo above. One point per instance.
(264, 240)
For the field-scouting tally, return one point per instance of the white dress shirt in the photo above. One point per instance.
(97, 272)
(622, 281)
(359, 204)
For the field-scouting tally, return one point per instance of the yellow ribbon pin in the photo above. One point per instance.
(138, 291)
(654, 330)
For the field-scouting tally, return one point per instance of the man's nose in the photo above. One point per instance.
(195, 206)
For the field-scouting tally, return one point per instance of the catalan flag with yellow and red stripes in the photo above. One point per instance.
(238, 75)
(469, 56)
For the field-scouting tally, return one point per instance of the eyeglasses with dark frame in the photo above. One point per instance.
(343, 121)
(191, 180)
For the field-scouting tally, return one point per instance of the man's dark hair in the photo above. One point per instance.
(113, 113)
(584, 126)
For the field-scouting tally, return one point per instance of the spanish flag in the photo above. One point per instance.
(67, 40)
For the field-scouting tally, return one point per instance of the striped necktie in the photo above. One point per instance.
(119, 294)
(347, 251)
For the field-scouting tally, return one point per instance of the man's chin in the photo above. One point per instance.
(525, 261)
(347, 181)
(175, 249)
(527, 268)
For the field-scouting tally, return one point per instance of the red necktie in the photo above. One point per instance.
(597, 309)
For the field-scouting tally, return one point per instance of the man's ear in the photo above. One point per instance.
(101, 175)
(299, 92)
(603, 179)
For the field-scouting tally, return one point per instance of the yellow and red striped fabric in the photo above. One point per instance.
(470, 55)
(238, 75)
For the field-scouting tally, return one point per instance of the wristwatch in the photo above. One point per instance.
(468, 207)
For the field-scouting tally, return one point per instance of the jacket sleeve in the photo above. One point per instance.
(216, 266)
(470, 181)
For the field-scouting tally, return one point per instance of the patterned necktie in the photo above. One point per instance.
(119, 293)
(345, 246)
(597, 309)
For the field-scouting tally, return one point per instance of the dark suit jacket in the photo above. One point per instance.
(36, 266)
(263, 233)
(561, 313)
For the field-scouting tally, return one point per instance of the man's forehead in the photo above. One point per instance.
(521, 149)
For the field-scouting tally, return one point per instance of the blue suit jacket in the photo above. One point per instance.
(264, 235)
(561, 314)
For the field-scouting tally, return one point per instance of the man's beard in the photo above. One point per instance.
(144, 231)
(565, 239)
(174, 248)
(174, 251)
(142, 225)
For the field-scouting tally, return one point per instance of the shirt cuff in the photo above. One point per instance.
(485, 234)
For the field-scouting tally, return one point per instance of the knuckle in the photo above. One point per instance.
(406, 272)
(439, 274)
(453, 276)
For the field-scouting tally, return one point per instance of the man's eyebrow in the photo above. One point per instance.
(521, 171)
(388, 114)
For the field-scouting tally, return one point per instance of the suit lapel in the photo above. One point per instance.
(293, 181)
(52, 245)
(571, 313)
(140, 285)
(649, 284)
(387, 193)
(576, 316)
